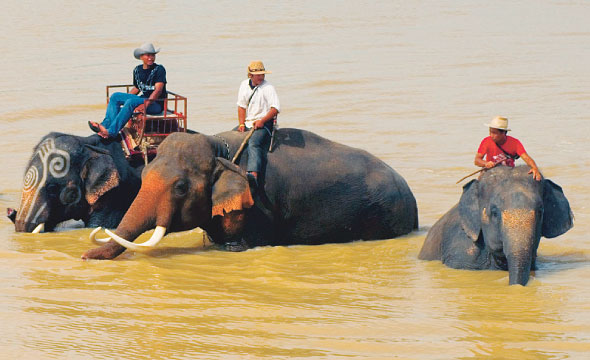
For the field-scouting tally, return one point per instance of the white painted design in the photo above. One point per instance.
(39, 212)
(31, 178)
(55, 162)
(59, 165)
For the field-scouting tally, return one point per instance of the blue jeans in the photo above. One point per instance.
(258, 147)
(120, 109)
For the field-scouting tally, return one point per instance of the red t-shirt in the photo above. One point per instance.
(493, 153)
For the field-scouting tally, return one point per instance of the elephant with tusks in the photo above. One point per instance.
(313, 191)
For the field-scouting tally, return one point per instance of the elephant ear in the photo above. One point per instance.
(99, 174)
(558, 217)
(469, 210)
(230, 189)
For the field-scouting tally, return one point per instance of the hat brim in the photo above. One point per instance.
(495, 127)
(260, 72)
(138, 52)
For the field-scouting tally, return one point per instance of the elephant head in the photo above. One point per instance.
(507, 211)
(186, 186)
(66, 178)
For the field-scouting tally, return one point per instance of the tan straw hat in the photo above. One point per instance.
(256, 67)
(147, 48)
(499, 122)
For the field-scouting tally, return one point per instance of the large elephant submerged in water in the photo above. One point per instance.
(498, 223)
(314, 191)
(72, 177)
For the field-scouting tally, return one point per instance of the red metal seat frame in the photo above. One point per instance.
(144, 132)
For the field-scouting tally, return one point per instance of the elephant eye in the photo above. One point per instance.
(70, 195)
(181, 187)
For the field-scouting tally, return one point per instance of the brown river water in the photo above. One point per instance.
(412, 82)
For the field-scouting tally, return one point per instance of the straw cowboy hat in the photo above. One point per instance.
(499, 122)
(256, 68)
(147, 48)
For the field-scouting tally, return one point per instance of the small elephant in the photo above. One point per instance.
(71, 177)
(498, 223)
(314, 191)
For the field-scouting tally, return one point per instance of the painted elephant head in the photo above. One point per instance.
(184, 187)
(509, 211)
(66, 178)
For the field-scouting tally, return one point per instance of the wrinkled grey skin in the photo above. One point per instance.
(71, 177)
(498, 223)
(315, 191)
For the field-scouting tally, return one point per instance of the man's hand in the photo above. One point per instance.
(536, 174)
(258, 124)
(241, 128)
(490, 164)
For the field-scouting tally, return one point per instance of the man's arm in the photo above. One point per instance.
(479, 161)
(159, 86)
(531, 163)
(258, 124)
(134, 91)
(241, 119)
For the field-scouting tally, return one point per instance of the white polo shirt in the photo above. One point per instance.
(264, 98)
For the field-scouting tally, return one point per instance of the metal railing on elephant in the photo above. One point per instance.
(144, 132)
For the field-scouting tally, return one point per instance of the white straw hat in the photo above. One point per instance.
(499, 122)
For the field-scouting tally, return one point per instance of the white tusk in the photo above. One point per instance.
(207, 241)
(39, 228)
(101, 240)
(156, 237)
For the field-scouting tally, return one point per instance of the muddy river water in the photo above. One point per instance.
(412, 82)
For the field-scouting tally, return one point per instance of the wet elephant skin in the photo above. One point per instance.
(498, 223)
(314, 191)
(72, 177)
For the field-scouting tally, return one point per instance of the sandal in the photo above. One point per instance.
(93, 127)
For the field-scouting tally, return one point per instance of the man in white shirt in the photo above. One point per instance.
(258, 107)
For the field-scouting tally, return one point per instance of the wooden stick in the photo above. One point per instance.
(241, 148)
(473, 173)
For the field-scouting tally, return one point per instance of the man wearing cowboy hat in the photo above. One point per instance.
(258, 107)
(149, 78)
(499, 148)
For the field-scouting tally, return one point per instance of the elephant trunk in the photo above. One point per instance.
(520, 232)
(146, 212)
(150, 209)
(519, 267)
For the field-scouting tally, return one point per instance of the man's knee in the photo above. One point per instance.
(259, 138)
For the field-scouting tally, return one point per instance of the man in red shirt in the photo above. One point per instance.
(499, 148)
